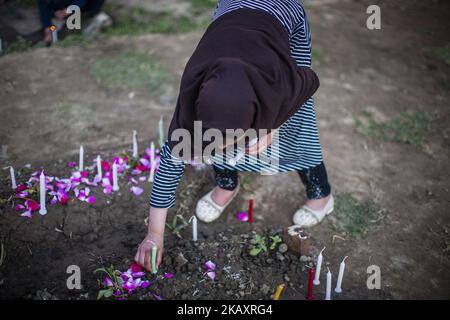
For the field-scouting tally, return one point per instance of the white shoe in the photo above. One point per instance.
(207, 210)
(307, 217)
(99, 22)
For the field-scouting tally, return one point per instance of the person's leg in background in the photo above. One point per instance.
(318, 189)
(226, 183)
(99, 20)
(47, 9)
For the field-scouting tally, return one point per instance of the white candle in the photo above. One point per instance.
(42, 192)
(54, 34)
(152, 172)
(194, 228)
(328, 292)
(13, 178)
(135, 144)
(99, 167)
(161, 132)
(152, 152)
(318, 266)
(338, 288)
(115, 180)
(81, 162)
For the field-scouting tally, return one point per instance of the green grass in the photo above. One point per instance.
(408, 127)
(353, 216)
(131, 71)
(76, 39)
(138, 21)
(204, 3)
(20, 45)
(442, 53)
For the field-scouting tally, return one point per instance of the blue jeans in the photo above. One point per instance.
(47, 8)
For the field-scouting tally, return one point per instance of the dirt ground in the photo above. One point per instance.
(51, 103)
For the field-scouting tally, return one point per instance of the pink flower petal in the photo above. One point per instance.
(137, 274)
(27, 214)
(32, 205)
(168, 275)
(54, 200)
(209, 265)
(19, 207)
(107, 282)
(91, 199)
(135, 267)
(71, 164)
(137, 191)
(242, 216)
(211, 275)
(22, 194)
(145, 284)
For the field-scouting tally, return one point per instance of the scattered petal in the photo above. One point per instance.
(242, 216)
(211, 275)
(137, 191)
(209, 265)
(145, 284)
(107, 282)
(71, 164)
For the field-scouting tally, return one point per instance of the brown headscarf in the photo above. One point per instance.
(242, 75)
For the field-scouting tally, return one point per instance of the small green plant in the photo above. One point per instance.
(407, 127)
(260, 245)
(275, 241)
(175, 227)
(114, 276)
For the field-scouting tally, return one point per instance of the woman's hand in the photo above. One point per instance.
(144, 253)
(155, 237)
(262, 144)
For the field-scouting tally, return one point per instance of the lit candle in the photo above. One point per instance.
(81, 162)
(328, 292)
(54, 34)
(310, 284)
(161, 132)
(99, 167)
(338, 288)
(152, 152)
(154, 252)
(13, 178)
(152, 172)
(278, 292)
(115, 180)
(194, 228)
(135, 144)
(42, 192)
(250, 211)
(318, 266)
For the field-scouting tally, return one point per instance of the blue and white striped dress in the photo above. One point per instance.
(299, 147)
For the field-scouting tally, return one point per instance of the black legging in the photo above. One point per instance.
(315, 180)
